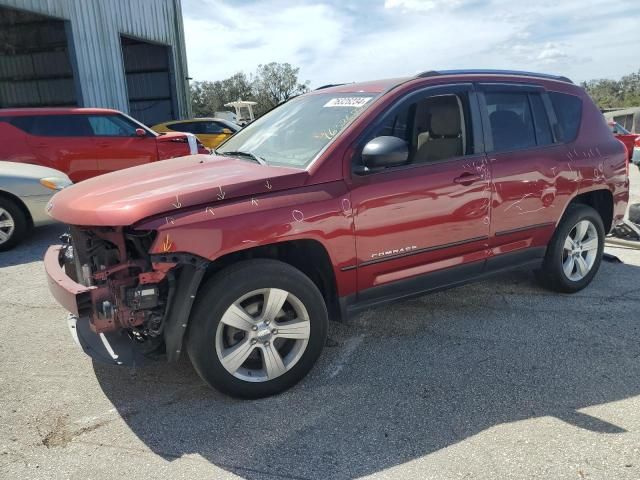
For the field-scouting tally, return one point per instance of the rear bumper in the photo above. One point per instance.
(114, 348)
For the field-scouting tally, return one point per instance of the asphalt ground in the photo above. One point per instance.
(499, 379)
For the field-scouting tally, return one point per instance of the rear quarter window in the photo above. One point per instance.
(568, 110)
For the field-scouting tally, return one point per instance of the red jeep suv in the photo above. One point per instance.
(85, 142)
(339, 200)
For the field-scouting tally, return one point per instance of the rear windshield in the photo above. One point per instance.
(295, 132)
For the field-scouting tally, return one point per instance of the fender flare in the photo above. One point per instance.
(191, 270)
(577, 193)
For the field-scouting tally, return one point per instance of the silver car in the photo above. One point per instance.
(24, 192)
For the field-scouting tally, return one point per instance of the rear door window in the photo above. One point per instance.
(61, 126)
(511, 121)
(568, 109)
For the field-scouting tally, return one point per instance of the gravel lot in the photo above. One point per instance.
(499, 379)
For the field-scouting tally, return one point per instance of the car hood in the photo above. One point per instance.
(23, 179)
(127, 196)
(27, 170)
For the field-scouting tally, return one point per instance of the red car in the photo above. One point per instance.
(630, 140)
(85, 142)
(339, 200)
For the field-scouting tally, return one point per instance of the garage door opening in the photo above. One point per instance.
(35, 62)
(150, 90)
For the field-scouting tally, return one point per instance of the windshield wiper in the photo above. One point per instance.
(250, 155)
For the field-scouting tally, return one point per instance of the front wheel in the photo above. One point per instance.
(14, 225)
(257, 328)
(575, 252)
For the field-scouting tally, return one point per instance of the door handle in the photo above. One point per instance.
(467, 178)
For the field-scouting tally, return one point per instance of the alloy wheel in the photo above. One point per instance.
(262, 335)
(7, 225)
(580, 250)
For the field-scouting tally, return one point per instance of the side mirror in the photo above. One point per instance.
(140, 132)
(385, 151)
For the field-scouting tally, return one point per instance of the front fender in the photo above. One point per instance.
(319, 212)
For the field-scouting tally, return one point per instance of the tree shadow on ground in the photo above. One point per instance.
(423, 375)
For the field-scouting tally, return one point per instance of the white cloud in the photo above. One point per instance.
(421, 5)
(222, 40)
(332, 42)
(551, 53)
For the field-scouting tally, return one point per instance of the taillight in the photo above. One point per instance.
(637, 142)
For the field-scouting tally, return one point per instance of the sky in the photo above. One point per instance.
(338, 41)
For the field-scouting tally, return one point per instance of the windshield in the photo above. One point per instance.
(295, 132)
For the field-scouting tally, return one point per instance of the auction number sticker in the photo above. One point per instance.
(347, 102)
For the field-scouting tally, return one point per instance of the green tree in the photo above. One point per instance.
(271, 85)
(209, 97)
(204, 99)
(615, 93)
(275, 83)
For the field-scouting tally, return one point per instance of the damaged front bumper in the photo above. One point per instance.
(114, 348)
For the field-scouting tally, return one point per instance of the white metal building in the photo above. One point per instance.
(629, 118)
(123, 54)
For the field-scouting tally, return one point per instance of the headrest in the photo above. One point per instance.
(445, 120)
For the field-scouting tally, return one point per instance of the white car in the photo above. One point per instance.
(25, 191)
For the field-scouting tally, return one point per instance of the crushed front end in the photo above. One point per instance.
(123, 304)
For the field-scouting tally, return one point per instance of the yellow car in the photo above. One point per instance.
(210, 131)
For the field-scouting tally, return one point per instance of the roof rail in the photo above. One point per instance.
(435, 73)
(329, 85)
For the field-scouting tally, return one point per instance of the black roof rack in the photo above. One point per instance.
(434, 73)
(329, 85)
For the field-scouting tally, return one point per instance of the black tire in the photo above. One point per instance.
(225, 288)
(552, 275)
(20, 222)
(634, 213)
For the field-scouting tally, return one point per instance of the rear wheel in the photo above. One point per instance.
(575, 251)
(257, 328)
(14, 225)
